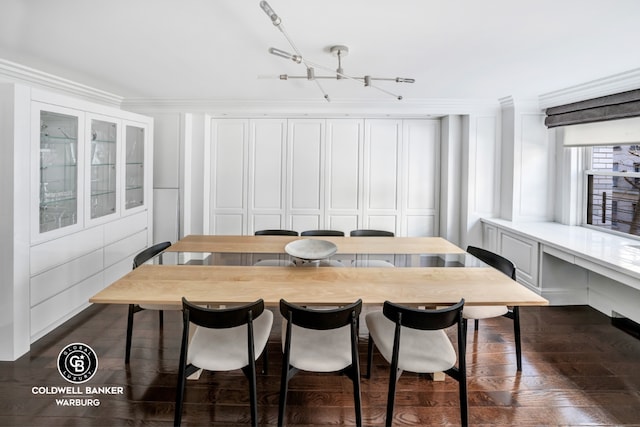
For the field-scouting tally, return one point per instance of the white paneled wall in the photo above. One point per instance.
(344, 174)
(305, 173)
(381, 184)
(228, 189)
(421, 177)
(267, 175)
(319, 173)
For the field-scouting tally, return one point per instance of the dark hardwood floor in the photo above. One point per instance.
(577, 370)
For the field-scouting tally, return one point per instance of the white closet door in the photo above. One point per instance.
(382, 179)
(305, 186)
(343, 195)
(267, 156)
(228, 172)
(340, 174)
(421, 172)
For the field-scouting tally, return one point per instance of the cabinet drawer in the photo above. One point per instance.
(125, 227)
(565, 256)
(125, 248)
(58, 279)
(64, 249)
(57, 309)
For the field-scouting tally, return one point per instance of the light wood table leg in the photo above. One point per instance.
(438, 376)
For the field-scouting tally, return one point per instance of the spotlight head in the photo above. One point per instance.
(275, 19)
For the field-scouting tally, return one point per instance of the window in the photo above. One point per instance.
(613, 188)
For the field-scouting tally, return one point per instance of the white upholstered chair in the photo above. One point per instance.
(225, 339)
(320, 340)
(414, 340)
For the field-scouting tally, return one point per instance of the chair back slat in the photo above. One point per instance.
(320, 319)
(322, 233)
(494, 260)
(219, 318)
(371, 233)
(149, 253)
(276, 233)
(423, 319)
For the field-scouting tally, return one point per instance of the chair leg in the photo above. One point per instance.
(265, 360)
(356, 394)
(464, 404)
(393, 379)
(476, 324)
(127, 351)
(161, 318)
(369, 357)
(250, 373)
(284, 387)
(177, 418)
(516, 333)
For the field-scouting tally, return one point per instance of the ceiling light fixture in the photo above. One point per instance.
(339, 51)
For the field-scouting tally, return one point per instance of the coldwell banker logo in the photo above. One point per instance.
(77, 363)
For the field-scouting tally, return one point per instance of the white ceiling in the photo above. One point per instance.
(217, 49)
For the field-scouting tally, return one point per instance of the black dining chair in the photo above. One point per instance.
(138, 260)
(275, 262)
(415, 340)
(322, 233)
(320, 340)
(478, 313)
(328, 233)
(225, 339)
(372, 233)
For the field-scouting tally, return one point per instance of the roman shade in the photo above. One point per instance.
(611, 107)
(610, 132)
(607, 120)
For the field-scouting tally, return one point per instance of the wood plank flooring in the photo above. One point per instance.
(577, 370)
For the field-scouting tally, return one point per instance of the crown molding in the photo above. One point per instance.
(16, 73)
(231, 107)
(522, 104)
(609, 85)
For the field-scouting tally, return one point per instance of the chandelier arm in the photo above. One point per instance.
(357, 79)
(398, 97)
(394, 79)
(307, 65)
(324, 94)
(360, 79)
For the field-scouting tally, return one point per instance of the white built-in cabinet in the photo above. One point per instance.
(78, 205)
(522, 251)
(316, 173)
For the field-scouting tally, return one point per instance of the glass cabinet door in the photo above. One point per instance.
(104, 166)
(58, 171)
(134, 175)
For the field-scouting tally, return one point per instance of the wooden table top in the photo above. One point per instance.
(346, 245)
(167, 284)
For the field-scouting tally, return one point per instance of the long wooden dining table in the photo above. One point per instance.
(312, 285)
(167, 284)
(224, 284)
(345, 244)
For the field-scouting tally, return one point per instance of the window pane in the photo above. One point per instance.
(613, 201)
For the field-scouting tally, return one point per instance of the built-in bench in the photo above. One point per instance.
(571, 265)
